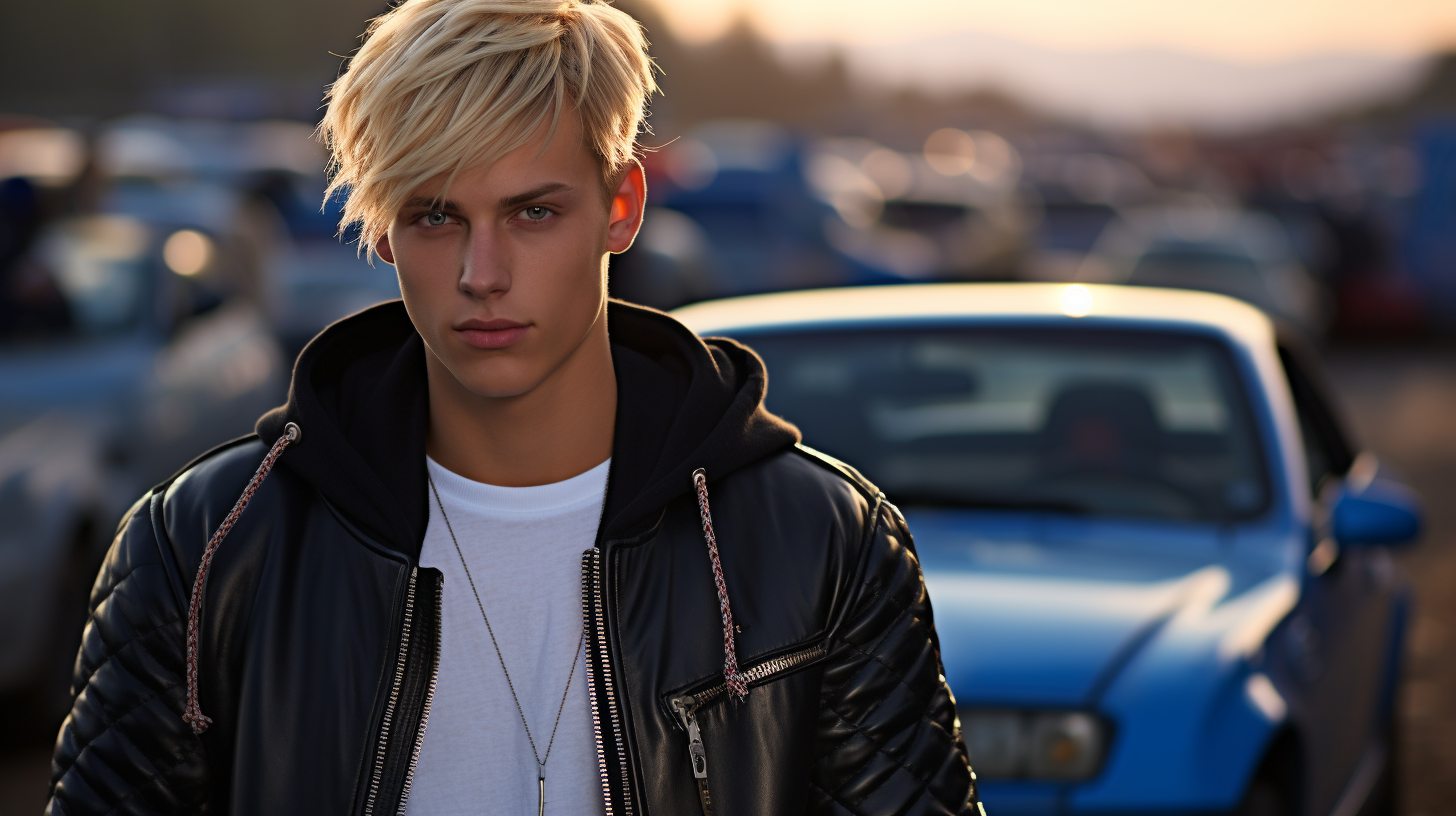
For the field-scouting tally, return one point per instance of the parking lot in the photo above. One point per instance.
(1401, 405)
(1400, 402)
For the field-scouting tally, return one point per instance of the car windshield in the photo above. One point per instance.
(1093, 423)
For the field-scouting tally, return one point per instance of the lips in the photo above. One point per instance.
(491, 334)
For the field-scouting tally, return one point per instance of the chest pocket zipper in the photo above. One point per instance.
(686, 711)
(686, 707)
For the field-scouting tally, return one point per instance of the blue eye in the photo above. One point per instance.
(436, 219)
(535, 213)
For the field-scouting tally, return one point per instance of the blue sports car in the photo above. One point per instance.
(1161, 571)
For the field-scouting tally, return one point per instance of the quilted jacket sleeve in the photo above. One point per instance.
(889, 739)
(124, 749)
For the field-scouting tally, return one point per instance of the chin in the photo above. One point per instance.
(498, 381)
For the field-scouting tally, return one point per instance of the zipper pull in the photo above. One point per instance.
(685, 708)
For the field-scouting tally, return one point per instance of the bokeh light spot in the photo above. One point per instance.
(187, 252)
(950, 152)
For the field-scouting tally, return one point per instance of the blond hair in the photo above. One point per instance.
(442, 85)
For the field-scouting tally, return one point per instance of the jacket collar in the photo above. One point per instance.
(359, 394)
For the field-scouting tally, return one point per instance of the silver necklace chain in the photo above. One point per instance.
(540, 760)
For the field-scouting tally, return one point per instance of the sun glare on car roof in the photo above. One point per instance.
(1076, 300)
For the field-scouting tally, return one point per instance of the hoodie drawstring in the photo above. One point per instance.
(199, 722)
(731, 677)
(193, 715)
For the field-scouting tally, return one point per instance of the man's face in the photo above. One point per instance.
(505, 278)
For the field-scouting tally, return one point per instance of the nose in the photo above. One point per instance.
(485, 271)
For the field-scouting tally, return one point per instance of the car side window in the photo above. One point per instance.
(1327, 450)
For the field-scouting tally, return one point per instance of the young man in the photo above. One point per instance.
(509, 548)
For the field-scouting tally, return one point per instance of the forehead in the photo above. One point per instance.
(547, 157)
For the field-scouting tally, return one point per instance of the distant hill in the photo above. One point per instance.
(275, 57)
(1140, 87)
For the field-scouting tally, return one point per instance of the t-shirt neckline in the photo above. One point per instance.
(583, 489)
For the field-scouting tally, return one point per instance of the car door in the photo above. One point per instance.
(1337, 636)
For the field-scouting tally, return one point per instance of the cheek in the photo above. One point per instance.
(428, 269)
(426, 272)
(564, 267)
(418, 259)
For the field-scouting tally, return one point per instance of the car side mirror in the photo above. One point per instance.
(1383, 513)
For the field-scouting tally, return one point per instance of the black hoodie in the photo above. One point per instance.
(359, 396)
(793, 669)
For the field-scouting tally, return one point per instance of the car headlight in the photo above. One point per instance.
(1056, 745)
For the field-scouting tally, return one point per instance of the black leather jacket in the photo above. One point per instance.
(317, 633)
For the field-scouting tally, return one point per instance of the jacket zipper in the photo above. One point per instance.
(686, 708)
(594, 618)
(389, 707)
(761, 673)
(409, 776)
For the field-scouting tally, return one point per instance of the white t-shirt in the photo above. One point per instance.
(524, 547)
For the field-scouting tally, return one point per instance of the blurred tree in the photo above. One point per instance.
(1437, 95)
(105, 58)
(1433, 98)
(741, 75)
(274, 58)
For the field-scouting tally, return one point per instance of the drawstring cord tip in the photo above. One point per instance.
(192, 714)
(731, 677)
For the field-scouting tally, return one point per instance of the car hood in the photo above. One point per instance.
(1045, 612)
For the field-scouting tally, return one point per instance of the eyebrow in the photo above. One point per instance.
(535, 192)
(446, 205)
(441, 204)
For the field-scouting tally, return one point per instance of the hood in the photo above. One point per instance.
(359, 395)
(1052, 613)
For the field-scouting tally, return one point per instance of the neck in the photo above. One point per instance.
(561, 428)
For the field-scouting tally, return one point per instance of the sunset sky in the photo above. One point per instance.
(1230, 29)
(1122, 63)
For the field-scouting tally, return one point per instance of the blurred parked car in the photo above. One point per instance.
(320, 275)
(670, 263)
(744, 207)
(950, 212)
(1428, 245)
(1160, 569)
(752, 224)
(257, 189)
(1076, 196)
(121, 358)
(736, 210)
(197, 175)
(322, 281)
(1241, 254)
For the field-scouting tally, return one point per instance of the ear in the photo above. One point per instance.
(383, 250)
(628, 202)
